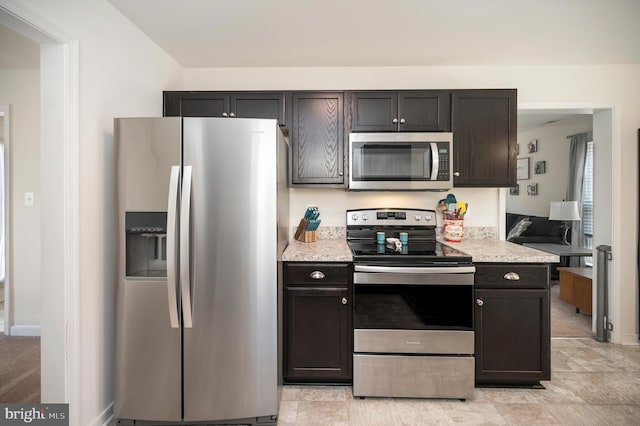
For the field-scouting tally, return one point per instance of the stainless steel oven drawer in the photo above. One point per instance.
(414, 341)
(413, 376)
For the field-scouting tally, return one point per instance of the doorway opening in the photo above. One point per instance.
(545, 138)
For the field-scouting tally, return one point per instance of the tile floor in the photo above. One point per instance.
(591, 383)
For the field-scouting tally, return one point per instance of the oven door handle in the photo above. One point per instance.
(416, 269)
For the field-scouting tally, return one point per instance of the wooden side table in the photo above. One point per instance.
(575, 287)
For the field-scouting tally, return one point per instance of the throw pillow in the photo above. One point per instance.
(519, 228)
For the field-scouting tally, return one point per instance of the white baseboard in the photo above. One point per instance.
(105, 418)
(24, 330)
(630, 339)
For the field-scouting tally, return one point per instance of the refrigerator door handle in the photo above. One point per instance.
(172, 281)
(185, 222)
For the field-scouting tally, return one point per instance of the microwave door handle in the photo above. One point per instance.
(434, 161)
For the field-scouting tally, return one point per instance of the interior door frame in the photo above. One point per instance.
(5, 112)
(59, 143)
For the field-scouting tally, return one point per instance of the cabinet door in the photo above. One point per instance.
(374, 112)
(195, 104)
(259, 105)
(424, 111)
(317, 139)
(317, 335)
(512, 330)
(484, 137)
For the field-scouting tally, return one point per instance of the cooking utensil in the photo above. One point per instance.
(451, 202)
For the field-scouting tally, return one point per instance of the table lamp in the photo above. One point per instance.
(564, 211)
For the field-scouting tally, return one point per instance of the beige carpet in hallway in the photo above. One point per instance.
(565, 322)
(19, 370)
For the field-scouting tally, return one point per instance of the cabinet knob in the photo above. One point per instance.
(317, 275)
(340, 173)
(402, 121)
(224, 114)
(394, 121)
(344, 300)
(456, 174)
(232, 114)
(479, 302)
(511, 276)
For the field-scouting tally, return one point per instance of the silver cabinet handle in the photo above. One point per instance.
(340, 173)
(511, 276)
(172, 282)
(479, 302)
(456, 174)
(394, 121)
(344, 300)
(224, 114)
(185, 218)
(317, 275)
(232, 114)
(402, 121)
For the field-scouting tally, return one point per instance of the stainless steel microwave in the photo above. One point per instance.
(400, 161)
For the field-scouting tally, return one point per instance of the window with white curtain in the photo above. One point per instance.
(587, 199)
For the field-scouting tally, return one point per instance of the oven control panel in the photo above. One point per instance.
(391, 217)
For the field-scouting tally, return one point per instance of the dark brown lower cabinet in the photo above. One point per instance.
(512, 324)
(317, 327)
(512, 336)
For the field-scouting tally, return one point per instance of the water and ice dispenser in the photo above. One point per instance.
(146, 244)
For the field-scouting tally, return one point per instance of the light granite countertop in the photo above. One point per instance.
(481, 250)
(323, 250)
(498, 251)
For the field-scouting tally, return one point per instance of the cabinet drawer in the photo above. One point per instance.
(317, 273)
(512, 276)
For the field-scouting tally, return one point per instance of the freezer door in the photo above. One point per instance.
(147, 370)
(230, 350)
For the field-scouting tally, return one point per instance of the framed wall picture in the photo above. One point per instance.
(522, 169)
(532, 189)
(540, 168)
(514, 190)
(532, 146)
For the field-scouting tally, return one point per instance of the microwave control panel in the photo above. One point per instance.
(444, 160)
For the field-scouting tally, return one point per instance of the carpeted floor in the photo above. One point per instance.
(565, 322)
(19, 370)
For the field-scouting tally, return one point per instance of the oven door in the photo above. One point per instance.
(413, 298)
(399, 161)
(413, 332)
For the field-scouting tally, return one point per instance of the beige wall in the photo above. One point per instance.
(553, 148)
(21, 90)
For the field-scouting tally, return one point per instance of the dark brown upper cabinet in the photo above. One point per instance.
(391, 111)
(317, 139)
(226, 104)
(484, 124)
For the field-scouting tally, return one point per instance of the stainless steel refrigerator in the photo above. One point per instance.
(202, 221)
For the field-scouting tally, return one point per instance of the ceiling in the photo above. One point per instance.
(295, 33)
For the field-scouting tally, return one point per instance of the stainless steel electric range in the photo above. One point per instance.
(413, 308)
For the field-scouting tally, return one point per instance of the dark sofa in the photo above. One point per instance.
(541, 230)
